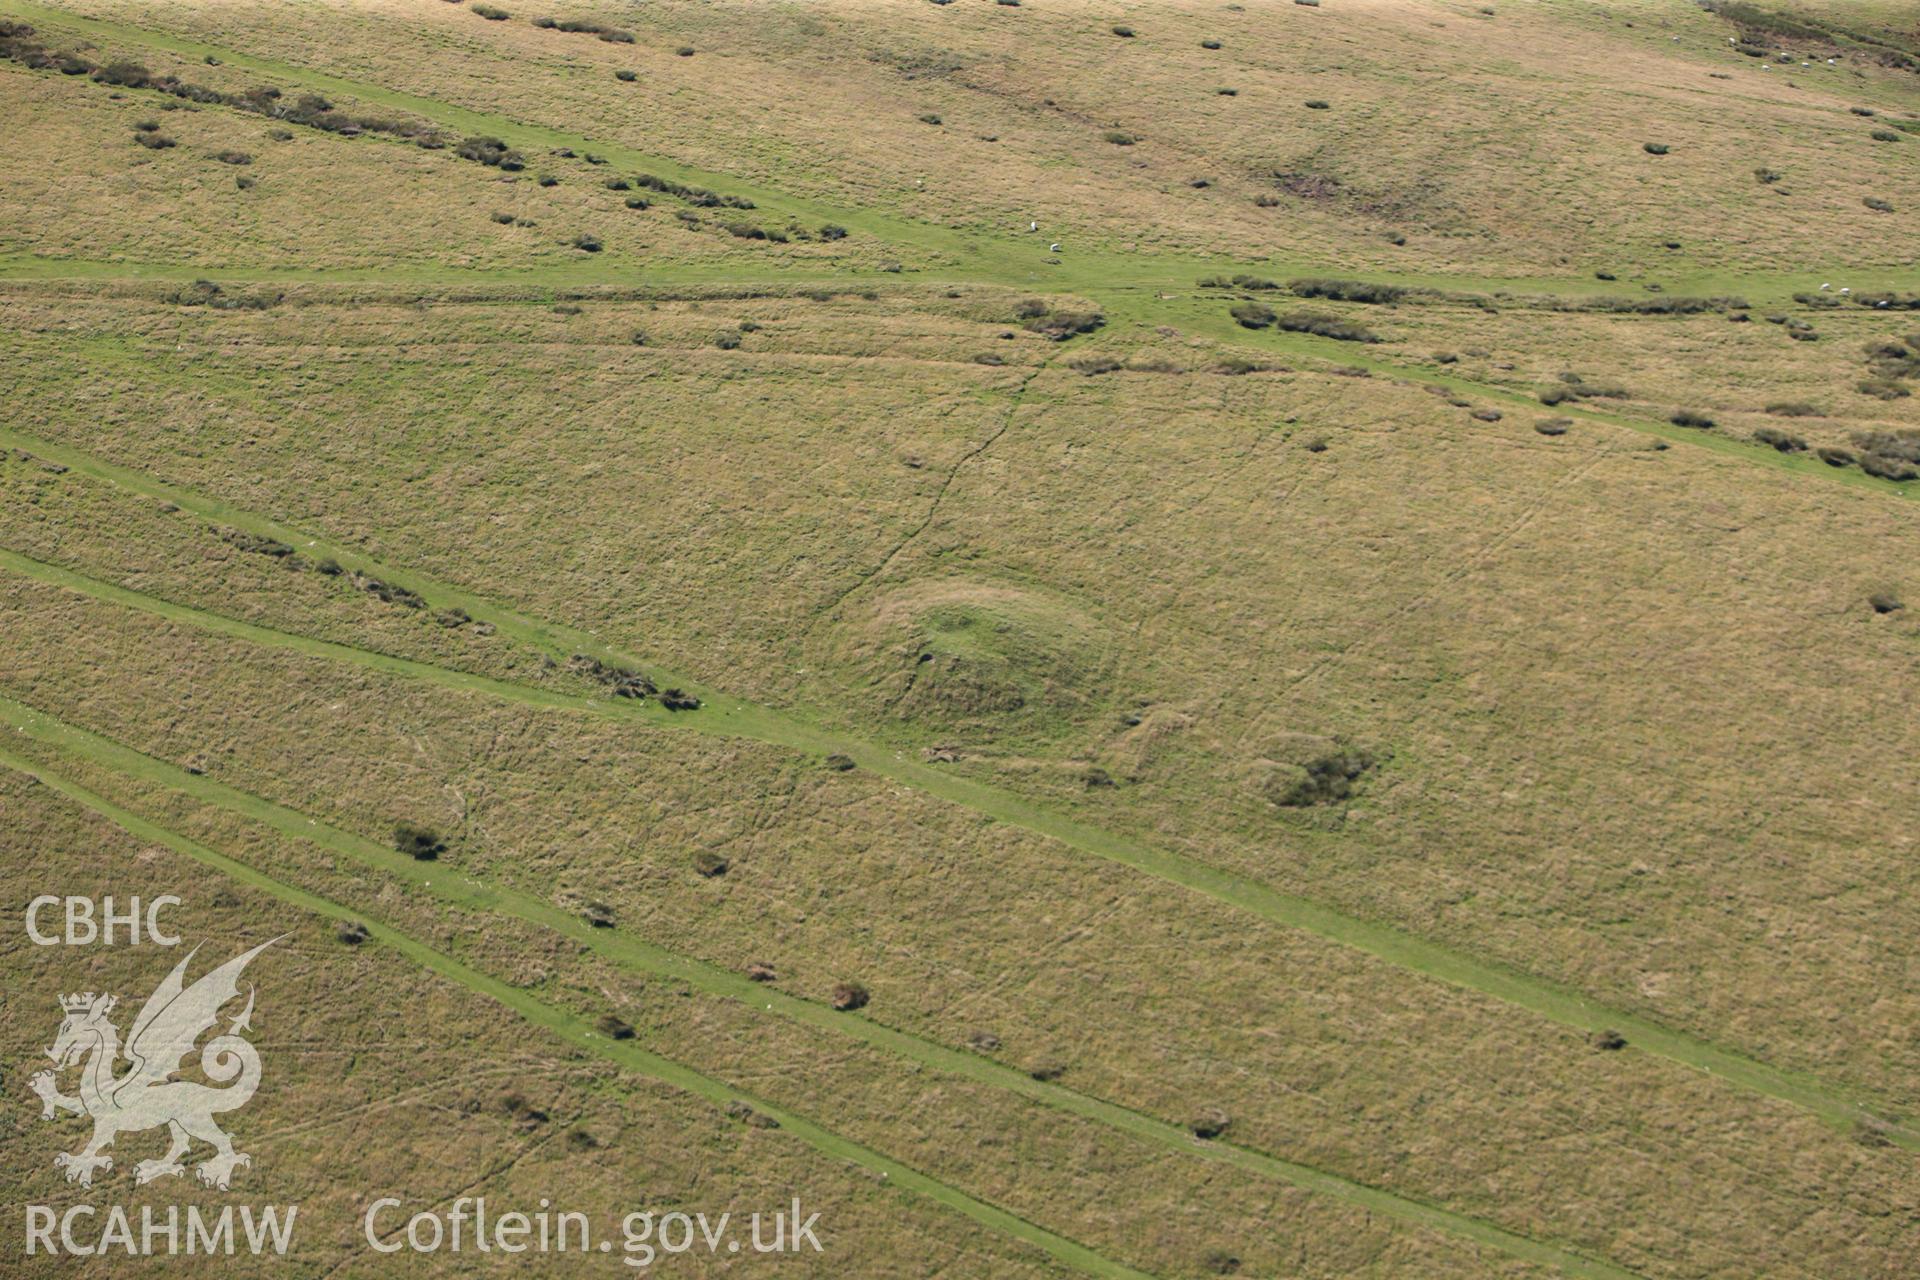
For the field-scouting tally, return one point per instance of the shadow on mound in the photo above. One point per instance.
(980, 658)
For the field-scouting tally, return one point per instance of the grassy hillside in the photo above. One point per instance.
(1097, 674)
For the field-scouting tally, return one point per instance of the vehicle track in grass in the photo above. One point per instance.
(577, 1032)
(629, 952)
(1191, 313)
(726, 716)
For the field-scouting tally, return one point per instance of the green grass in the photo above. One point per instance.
(733, 717)
(634, 954)
(574, 1031)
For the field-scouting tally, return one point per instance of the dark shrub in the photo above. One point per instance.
(1676, 306)
(615, 1028)
(1316, 104)
(1119, 138)
(1878, 205)
(929, 118)
(1793, 409)
(1878, 464)
(1882, 388)
(504, 219)
(154, 141)
(389, 593)
(1883, 603)
(1885, 135)
(1325, 326)
(1690, 418)
(417, 842)
(1608, 1040)
(1210, 1123)
(1346, 290)
(1862, 111)
(697, 196)
(833, 231)
(727, 341)
(678, 700)
(1094, 365)
(491, 13)
(761, 971)
(1553, 426)
(1209, 44)
(586, 243)
(1486, 415)
(1834, 457)
(709, 864)
(1904, 445)
(1062, 325)
(1237, 366)
(598, 914)
(1781, 440)
(684, 51)
(626, 75)
(233, 157)
(351, 932)
(489, 151)
(848, 996)
(1766, 176)
(129, 75)
(1251, 315)
(740, 1110)
(1125, 33)
(639, 202)
(839, 763)
(1227, 93)
(1328, 779)
(1655, 148)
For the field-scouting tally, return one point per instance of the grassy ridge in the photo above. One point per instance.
(571, 1029)
(638, 955)
(733, 717)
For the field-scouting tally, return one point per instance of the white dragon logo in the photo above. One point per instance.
(163, 1034)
